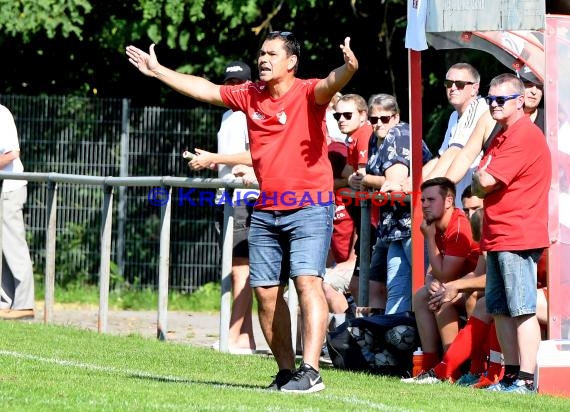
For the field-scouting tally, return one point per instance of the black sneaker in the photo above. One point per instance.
(282, 377)
(306, 379)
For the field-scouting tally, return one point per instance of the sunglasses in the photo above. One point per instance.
(280, 33)
(500, 100)
(460, 84)
(347, 115)
(383, 119)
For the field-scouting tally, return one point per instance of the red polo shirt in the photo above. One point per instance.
(457, 240)
(516, 215)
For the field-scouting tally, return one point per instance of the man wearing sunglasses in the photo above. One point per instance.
(487, 128)
(291, 224)
(388, 167)
(514, 180)
(351, 113)
(462, 89)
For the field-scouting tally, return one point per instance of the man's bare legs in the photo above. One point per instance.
(528, 337)
(507, 335)
(377, 294)
(447, 319)
(241, 325)
(314, 314)
(425, 321)
(336, 300)
(519, 338)
(334, 295)
(471, 300)
(275, 322)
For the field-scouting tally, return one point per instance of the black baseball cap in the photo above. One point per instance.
(237, 70)
(527, 76)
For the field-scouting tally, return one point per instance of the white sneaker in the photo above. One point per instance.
(424, 378)
(232, 350)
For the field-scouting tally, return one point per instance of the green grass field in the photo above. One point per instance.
(57, 368)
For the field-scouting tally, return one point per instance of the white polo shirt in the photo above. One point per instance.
(459, 130)
(9, 143)
(233, 138)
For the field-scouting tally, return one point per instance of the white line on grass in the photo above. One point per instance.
(81, 365)
(350, 400)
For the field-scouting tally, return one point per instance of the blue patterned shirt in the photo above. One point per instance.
(395, 220)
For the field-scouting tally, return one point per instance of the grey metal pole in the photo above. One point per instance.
(163, 268)
(105, 257)
(293, 304)
(227, 257)
(50, 251)
(364, 273)
(123, 172)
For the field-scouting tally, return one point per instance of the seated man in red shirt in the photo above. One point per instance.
(452, 254)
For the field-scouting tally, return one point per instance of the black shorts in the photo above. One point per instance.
(242, 221)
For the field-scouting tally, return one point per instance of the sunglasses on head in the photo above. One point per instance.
(460, 84)
(383, 119)
(347, 115)
(500, 100)
(280, 33)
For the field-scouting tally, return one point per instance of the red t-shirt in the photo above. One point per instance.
(516, 215)
(457, 241)
(358, 146)
(358, 154)
(287, 142)
(337, 157)
(343, 226)
(337, 153)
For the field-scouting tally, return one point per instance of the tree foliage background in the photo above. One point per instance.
(76, 47)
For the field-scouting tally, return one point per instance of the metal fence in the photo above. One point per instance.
(109, 137)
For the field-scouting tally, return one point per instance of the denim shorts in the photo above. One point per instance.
(511, 282)
(289, 243)
(379, 262)
(399, 277)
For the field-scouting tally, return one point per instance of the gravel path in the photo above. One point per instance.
(192, 328)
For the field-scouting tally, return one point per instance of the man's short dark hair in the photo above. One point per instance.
(292, 45)
(467, 193)
(446, 186)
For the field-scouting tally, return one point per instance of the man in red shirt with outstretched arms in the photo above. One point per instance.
(292, 222)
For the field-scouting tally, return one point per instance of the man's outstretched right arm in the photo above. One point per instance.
(192, 86)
